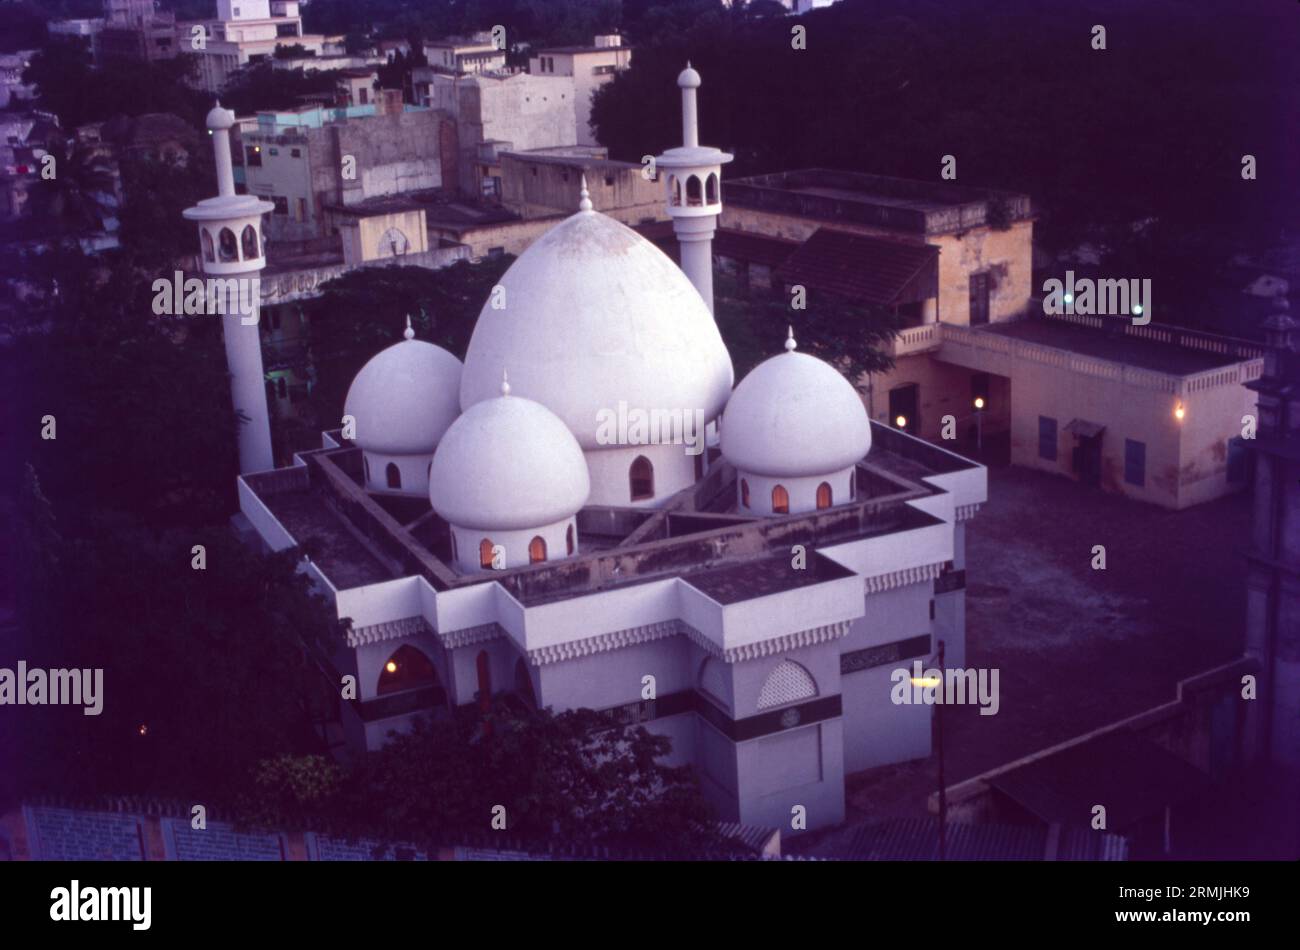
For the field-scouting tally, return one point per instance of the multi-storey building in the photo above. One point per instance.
(590, 67)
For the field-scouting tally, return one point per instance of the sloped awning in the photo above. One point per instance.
(1084, 429)
(1134, 779)
(862, 268)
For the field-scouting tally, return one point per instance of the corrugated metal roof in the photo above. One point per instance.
(863, 268)
(753, 248)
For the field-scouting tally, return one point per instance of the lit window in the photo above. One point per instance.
(537, 550)
(780, 500)
(824, 495)
(485, 553)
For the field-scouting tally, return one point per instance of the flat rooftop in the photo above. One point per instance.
(364, 538)
(900, 204)
(1144, 354)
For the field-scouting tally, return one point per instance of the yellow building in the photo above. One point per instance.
(1153, 411)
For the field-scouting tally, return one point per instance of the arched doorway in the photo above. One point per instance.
(641, 479)
(407, 668)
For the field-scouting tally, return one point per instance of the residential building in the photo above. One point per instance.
(244, 31)
(495, 113)
(457, 55)
(591, 67)
(1147, 409)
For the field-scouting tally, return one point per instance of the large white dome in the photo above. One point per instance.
(508, 463)
(795, 415)
(594, 314)
(404, 399)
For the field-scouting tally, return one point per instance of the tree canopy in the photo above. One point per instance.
(577, 776)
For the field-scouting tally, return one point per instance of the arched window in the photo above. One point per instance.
(824, 495)
(674, 190)
(226, 246)
(693, 197)
(780, 500)
(744, 493)
(483, 666)
(524, 684)
(568, 540)
(366, 462)
(205, 238)
(711, 188)
(642, 478)
(408, 668)
(853, 484)
(788, 683)
(454, 555)
(485, 553)
(537, 550)
(249, 241)
(393, 243)
(394, 475)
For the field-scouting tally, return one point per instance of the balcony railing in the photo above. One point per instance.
(927, 336)
(1249, 368)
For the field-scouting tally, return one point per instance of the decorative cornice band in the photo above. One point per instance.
(468, 636)
(908, 575)
(632, 636)
(604, 642)
(791, 641)
(389, 630)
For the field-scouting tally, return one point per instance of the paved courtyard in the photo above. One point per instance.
(1077, 648)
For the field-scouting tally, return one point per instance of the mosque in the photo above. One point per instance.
(481, 533)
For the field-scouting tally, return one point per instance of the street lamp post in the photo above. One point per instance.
(979, 423)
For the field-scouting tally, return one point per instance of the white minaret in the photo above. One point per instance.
(230, 240)
(693, 179)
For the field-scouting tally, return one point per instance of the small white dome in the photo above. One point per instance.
(405, 398)
(595, 314)
(795, 415)
(219, 118)
(506, 464)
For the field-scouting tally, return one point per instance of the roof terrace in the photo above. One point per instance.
(355, 538)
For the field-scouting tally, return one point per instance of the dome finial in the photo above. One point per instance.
(505, 383)
(409, 332)
(584, 196)
(790, 344)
